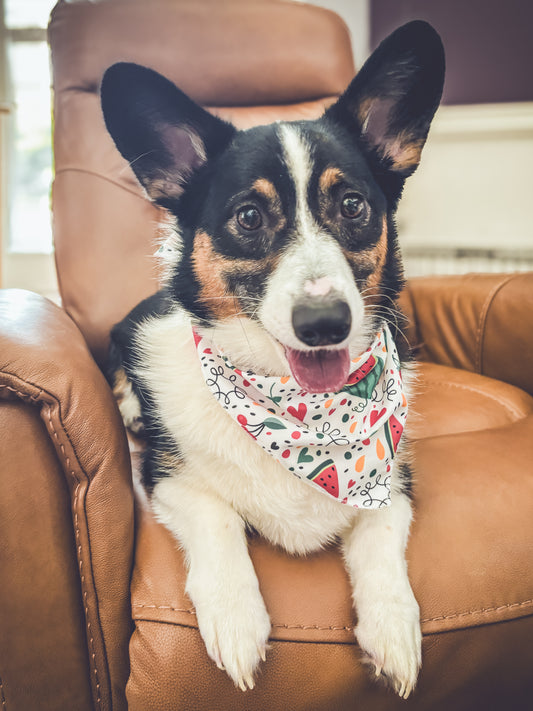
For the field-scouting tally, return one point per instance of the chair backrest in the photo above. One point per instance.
(251, 61)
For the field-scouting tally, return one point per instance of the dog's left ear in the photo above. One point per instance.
(163, 134)
(391, 102)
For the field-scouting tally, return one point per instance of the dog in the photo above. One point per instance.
(269, 374)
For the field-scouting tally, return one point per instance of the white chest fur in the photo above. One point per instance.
(220, 457)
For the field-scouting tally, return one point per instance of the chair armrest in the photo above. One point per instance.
(45, 363)
(478, 322)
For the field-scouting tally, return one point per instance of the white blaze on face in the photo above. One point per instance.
(313, 267)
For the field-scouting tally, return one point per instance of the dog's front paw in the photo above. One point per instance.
(389, 635)
(235, 631)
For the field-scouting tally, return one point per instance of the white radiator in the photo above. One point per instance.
(425, 262)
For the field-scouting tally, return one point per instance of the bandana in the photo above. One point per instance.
(343, 443)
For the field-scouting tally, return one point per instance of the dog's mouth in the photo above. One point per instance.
(319, 370)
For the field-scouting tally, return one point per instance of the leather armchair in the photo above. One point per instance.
(93, 613)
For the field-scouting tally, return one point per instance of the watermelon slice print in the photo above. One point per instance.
(362, 381)
(326, 476)
(393, 433)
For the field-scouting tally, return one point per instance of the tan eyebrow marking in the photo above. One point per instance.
(266, 188)
(329, 178)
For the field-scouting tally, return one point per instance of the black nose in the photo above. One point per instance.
(322, 324)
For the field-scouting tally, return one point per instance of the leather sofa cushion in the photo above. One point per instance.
(472, 504)
(450, 401)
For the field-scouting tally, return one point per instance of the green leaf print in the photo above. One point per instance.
(276, 399)
(273, 424)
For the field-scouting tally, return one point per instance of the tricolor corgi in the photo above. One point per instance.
(268, 374)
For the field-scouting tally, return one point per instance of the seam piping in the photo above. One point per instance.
(34, 399)
(480, 336)
(2, 697)
(506, 404)
(481, 611)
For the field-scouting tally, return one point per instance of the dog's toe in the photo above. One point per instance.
(390, 638)
(236, 635)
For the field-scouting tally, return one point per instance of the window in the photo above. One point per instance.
(27, 152)
(30, 158)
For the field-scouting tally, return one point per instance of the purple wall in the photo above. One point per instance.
(489, 44)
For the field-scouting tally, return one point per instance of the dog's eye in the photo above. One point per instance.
(352, 206)
(249, 218)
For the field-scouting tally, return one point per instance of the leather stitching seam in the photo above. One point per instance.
(35, 399)
(190, 611)
(2, 697)
(94, 174)
(312, 627)
(481, 611)
(480, 336)
(23, 396)
(86, 604)
(79, 556)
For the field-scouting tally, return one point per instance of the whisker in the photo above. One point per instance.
(390, 314)
(246, 336)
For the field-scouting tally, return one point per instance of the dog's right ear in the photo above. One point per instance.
(163, 134)
(391, 102)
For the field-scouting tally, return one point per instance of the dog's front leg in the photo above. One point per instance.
(388, 617)
(221, 580)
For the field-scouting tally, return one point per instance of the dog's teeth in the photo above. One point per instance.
(378, 670)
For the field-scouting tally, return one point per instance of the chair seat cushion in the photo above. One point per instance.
(469, 558)
(450, 401)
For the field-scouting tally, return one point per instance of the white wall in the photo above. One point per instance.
(356, 14)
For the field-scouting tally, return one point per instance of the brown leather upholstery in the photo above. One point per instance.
(67, 537)
(66, 524)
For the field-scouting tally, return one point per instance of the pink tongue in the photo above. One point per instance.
(319, 371)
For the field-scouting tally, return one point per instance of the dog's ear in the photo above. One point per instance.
(392, 100)
(163, 134)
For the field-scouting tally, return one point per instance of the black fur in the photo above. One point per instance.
(123, 355)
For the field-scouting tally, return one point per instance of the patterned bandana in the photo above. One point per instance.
(340, 443)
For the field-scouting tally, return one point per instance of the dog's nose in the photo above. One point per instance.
(322, 324)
